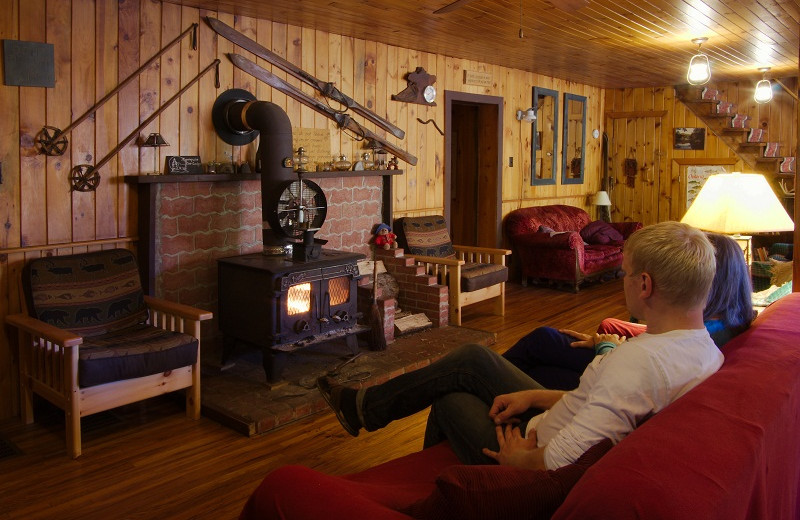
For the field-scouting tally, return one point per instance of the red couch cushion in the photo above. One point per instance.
(481, 492)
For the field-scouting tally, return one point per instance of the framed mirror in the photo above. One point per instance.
(544, 141)
(573, 155)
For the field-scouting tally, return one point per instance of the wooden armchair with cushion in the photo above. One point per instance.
(90, 340)
(472, 274)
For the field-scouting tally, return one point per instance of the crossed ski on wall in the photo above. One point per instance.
(343, 120)
(325, 88)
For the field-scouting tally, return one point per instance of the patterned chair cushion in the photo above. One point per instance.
(88, 294)
(426, 236)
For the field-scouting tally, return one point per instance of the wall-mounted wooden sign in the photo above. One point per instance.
(184, 164)
(481, 79)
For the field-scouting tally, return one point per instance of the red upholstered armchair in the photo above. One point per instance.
(561, 244)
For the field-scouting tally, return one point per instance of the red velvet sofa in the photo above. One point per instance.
(576, 249)
(728, 449)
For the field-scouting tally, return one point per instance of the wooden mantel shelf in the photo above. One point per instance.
(226, 177)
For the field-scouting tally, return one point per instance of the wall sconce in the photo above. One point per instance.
(155, 140)
(699, 68)
(528, 115)
(763, 93)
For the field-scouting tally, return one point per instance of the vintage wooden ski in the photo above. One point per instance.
(325, 88)
(343, 120)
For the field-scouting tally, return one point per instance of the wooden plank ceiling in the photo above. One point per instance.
(605, 43)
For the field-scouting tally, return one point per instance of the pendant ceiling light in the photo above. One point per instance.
(699, 68)
(763, 93)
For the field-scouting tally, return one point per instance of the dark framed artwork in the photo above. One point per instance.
(689, 138)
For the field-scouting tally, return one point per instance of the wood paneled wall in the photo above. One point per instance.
(640, 124)
(99, 43)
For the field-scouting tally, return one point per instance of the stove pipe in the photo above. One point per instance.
(243, 118)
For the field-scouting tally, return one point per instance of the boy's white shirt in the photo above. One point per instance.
(622, 388)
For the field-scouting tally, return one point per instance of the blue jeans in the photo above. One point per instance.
(545, 355)
(460, 388)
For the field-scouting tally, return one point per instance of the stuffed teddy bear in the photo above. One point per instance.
(384, 237)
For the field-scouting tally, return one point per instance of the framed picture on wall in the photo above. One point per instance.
(689, 138)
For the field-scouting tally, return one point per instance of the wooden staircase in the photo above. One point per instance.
(734, 130)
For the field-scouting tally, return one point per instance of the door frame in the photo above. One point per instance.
(452, 97)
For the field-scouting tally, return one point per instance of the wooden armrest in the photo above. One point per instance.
(178, 309)
(437, 260)
(484, 250)
(44, 330)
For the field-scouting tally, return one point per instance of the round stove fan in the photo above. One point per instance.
(301, 207)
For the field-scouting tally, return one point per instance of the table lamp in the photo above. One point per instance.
(738, 204)
(155, 140)
(603, 203)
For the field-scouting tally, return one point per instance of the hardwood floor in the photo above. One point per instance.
(148, 461)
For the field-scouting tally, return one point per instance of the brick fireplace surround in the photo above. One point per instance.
(194, 222)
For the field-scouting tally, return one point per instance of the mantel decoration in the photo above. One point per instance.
(420, 88)
(155, 140)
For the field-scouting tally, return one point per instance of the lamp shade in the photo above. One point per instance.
(601, 199)
(737, 203)
(155, 139)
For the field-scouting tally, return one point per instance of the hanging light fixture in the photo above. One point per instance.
(763, 93)
(699, 68)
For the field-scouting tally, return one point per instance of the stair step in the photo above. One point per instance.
(730, 130)
(787, 165)
(756, 135)
(771, 150)
(709, 93)
(752, 147)
(725, 107)
(739, 121)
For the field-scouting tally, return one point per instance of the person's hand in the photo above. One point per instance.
(613, 338)
(516, 450)
(584, 340)
(505, 407)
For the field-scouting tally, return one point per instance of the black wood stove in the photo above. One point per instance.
(295, 293)
(281, 304)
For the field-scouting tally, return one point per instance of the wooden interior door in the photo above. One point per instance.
(473, 183)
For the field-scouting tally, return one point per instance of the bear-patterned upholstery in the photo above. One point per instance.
(91, 340)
